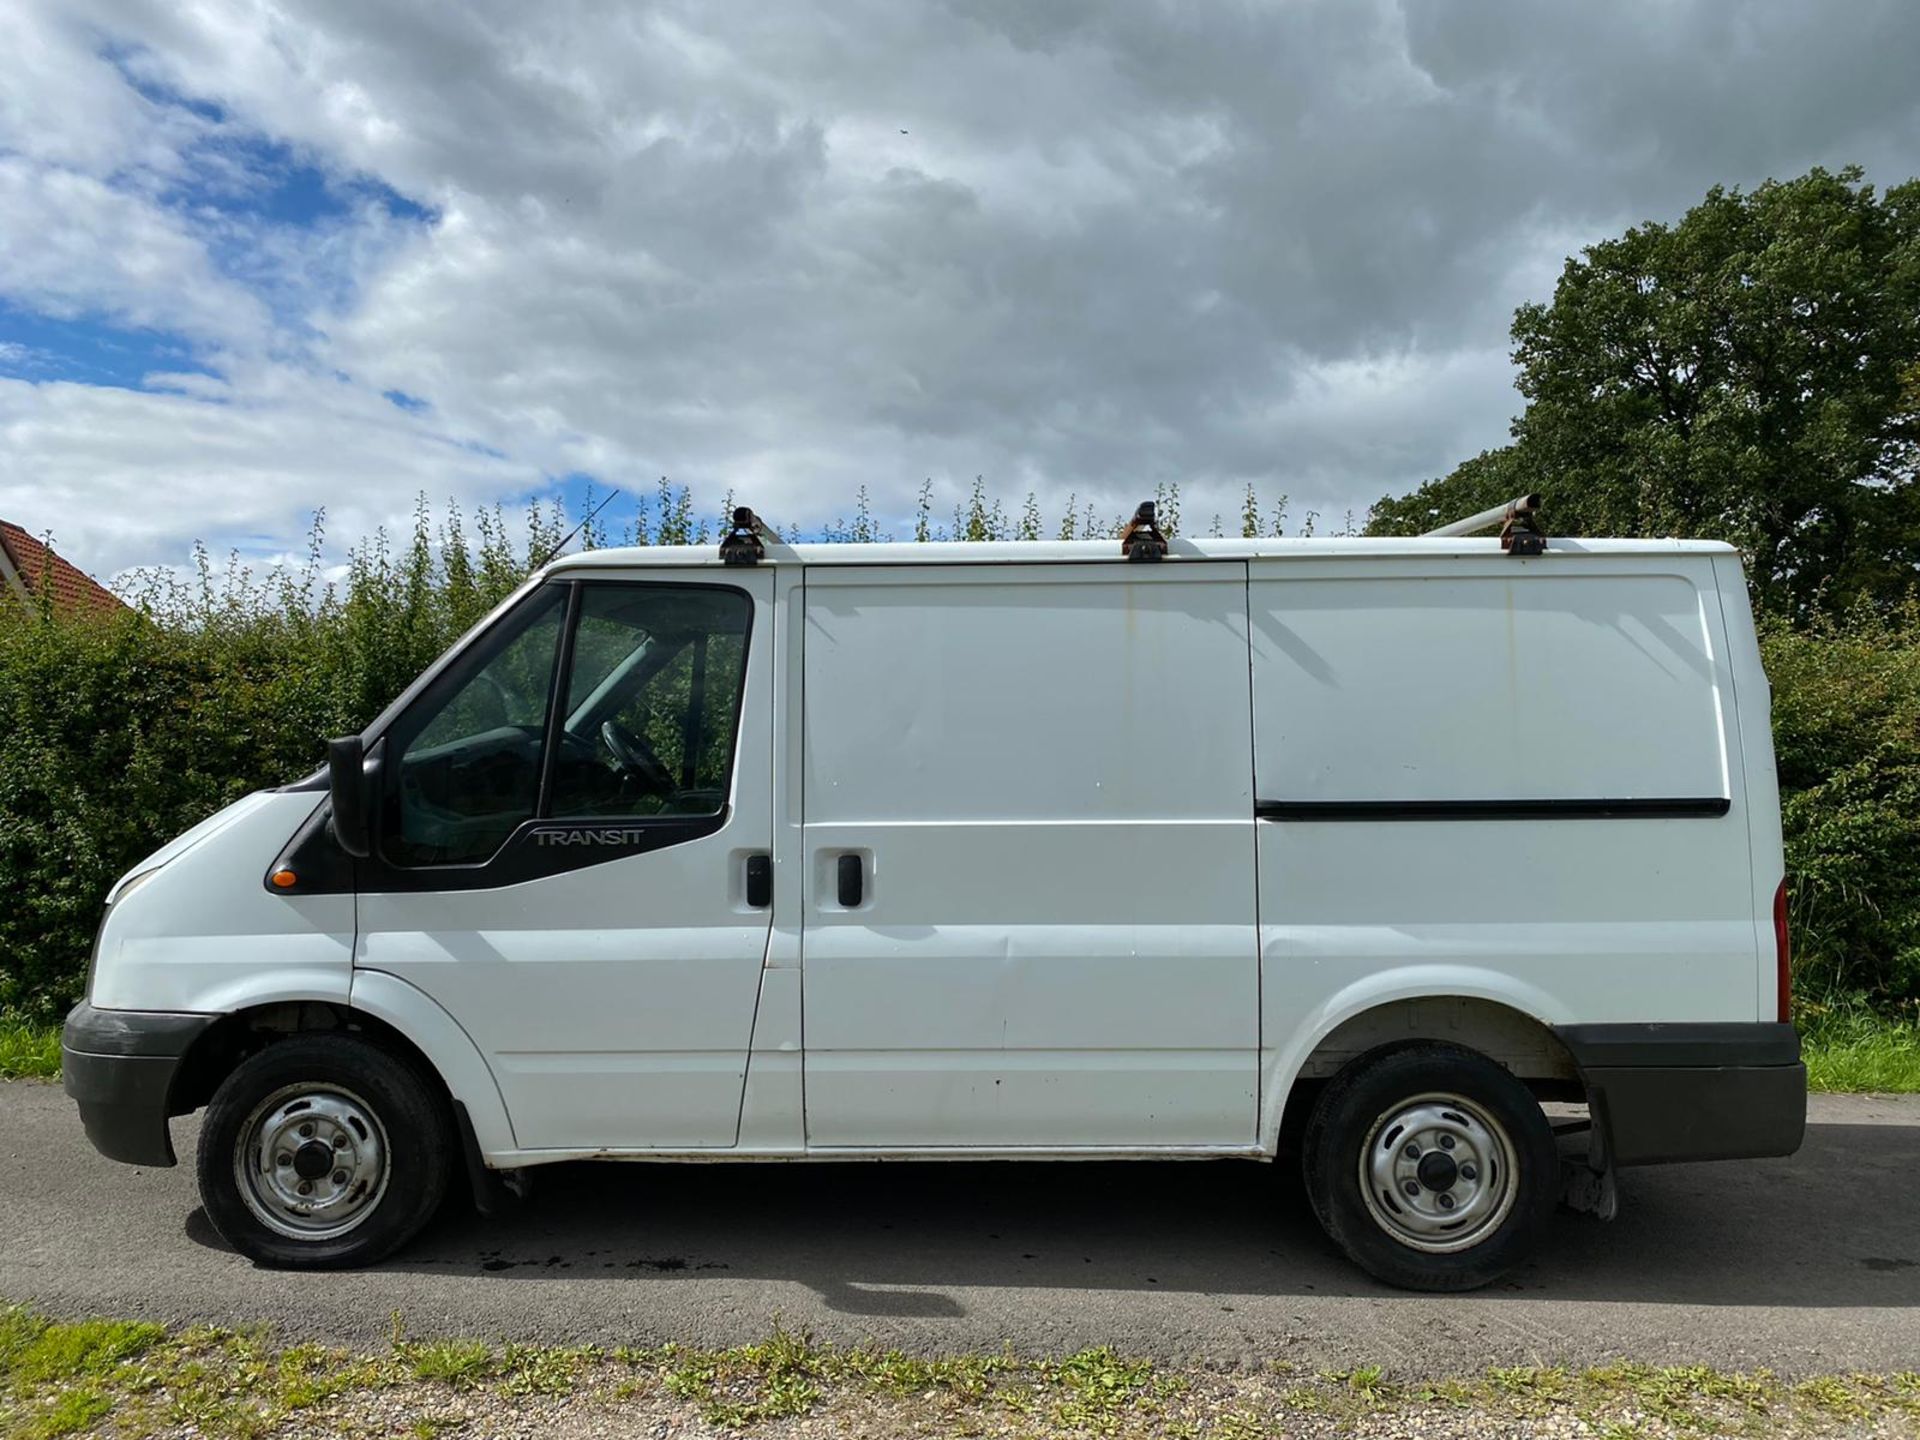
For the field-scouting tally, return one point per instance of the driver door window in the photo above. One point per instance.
(652, 678)
(653, 701)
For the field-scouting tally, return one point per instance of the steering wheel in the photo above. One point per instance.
(500, 706)
(635, 757)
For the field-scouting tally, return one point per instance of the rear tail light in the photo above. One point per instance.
(1783, 951)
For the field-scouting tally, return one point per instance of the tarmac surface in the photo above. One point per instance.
(1804, 1265)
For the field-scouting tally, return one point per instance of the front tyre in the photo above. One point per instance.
(1431, 1166)
(323, 1152)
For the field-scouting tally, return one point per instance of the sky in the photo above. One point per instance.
(259, 259)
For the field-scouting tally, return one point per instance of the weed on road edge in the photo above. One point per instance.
(135, 1379)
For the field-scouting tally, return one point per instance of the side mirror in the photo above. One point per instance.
(347, 782)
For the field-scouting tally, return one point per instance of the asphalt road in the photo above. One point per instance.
(1803, 1265)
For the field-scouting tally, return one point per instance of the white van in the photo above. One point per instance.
(996, 850)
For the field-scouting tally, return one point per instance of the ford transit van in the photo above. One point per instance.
(1410, 853)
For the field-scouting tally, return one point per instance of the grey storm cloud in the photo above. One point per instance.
(791, 250)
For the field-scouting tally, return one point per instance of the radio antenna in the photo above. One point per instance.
(565, 539)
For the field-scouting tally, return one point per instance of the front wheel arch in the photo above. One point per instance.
(233, 1038)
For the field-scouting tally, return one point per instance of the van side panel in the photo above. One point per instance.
(1433, 697)
(1043, 779)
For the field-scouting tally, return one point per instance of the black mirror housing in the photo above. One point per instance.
(347, 783)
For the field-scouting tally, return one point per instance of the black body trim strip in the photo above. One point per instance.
(119, 1067)
(1653, 1116)
(123, 1103)
(1677, 808)
(318, 780)
(1691, 1090)
(147, 1033)
(536, 849)
(1682, 1043)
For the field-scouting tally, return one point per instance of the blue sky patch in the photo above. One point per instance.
(240, 171)
(256, 204)
(122, 58)
(247, 175)
(88, 350)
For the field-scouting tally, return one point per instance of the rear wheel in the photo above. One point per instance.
(1431, 1166)
(323, 1152)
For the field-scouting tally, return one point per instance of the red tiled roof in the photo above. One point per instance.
(71, 589)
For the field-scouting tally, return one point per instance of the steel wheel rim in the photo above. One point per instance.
(312, 1161)
(1438, 1173)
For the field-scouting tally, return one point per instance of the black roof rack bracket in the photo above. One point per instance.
(1143, 539)
(1521, 532)
(744, 542)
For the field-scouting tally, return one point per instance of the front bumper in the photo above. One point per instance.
(119, 1066)
(1661, 1093)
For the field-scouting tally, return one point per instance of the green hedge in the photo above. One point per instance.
(116, 734)
(1846, 728)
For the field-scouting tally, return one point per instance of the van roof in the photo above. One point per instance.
(1016, 552)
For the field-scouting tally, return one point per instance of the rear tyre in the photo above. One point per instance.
(1431, 1166)
(323, 1152)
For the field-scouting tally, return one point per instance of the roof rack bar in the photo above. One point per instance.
(1518, 508)
(745, 540)
(1143, 538)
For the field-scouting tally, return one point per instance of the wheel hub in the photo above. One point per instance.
(311, 1162)
(1438, 1173)
(1437, 1170)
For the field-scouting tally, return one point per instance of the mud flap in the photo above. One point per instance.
(1586, 1173)
(496, 1193)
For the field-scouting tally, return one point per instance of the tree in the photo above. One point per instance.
(1750, 373)
(1488, 479)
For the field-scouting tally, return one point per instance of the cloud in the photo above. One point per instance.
(244, 468)
(791, 250)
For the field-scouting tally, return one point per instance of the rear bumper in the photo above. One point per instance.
(1662, 1093)
(119, 1066)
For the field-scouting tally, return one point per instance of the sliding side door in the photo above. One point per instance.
(1029, 850)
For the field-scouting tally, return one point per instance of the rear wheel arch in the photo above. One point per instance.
(1519, 1042)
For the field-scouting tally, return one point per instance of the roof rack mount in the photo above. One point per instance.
(1143, 538)
(1519, 522)
(745, 540)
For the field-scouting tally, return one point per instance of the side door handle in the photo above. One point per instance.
(759, 881)
(850, 876)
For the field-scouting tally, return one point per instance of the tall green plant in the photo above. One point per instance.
(1846, 712)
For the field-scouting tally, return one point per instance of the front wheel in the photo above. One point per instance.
(323, 1152)
(1431, 1166)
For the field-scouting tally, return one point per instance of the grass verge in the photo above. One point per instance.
(128, 1379)
(1857, 1050)
(28, 1049)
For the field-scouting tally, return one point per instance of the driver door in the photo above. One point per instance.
(568, 812)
